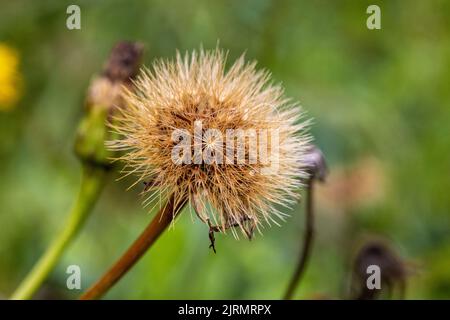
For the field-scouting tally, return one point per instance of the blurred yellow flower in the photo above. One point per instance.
(10, 79)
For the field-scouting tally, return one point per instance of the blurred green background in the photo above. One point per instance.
(381, 106)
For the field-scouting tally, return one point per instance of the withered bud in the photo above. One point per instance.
(315, 163)
(119, 70)
(104, 95)
(124, 61)
(393, 270)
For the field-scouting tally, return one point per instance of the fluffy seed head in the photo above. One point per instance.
(196, 88)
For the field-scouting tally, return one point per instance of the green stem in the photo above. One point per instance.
(92, 183)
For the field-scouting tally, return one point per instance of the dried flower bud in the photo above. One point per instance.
(104, 95)
(315, 162)
(124, 62)
(393, 271)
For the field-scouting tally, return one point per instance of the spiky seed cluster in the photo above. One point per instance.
(196, 87)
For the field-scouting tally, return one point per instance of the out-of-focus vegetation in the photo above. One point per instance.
(381, 106)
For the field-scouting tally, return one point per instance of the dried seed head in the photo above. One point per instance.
(246, 187)
(393, 270)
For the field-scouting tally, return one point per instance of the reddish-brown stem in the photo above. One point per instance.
(156, 227)
(307, 243)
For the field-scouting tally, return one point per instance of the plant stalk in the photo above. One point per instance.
(92, 182)
(307, 243)
(148, 237)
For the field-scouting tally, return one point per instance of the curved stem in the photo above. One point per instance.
(147, 238)
(92, 182)
(307, 243)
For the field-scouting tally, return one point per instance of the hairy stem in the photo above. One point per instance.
(307, 243)
(147, 238)
(92, 183)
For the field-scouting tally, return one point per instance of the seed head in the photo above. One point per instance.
(243, 190)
